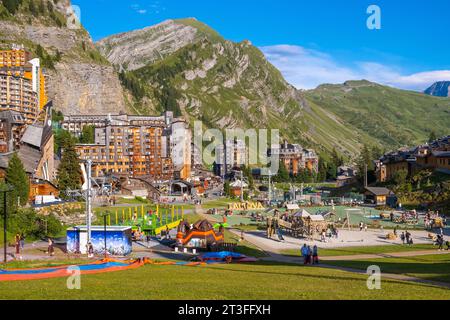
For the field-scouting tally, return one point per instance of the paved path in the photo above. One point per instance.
(402, 277)
(201, 212)
(276, 256)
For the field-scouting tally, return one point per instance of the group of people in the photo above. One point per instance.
(310, 256)
(362, 226)
(405, 237)
(19, 244)
(440, 242)
(327, 235)
(273, 228)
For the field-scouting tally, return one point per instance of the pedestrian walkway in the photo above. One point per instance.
(274, 255)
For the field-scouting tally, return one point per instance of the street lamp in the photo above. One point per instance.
(5, 214)
(105, 215)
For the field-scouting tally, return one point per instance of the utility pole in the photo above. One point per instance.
(104, 232)
(242, 187)
(5, 214)
(365, 176)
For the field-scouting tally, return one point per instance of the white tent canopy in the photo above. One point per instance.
(292, 206)
(239, 184)
(302, 214)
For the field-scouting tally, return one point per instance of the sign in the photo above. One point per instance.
(239, 206)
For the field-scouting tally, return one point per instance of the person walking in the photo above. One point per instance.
(440, 242)
(17, 246)
(408, 238)
(22, 241)
(323, 236)
(310, 255)
(90, 250)
(51, 251)
(304, 252)
(402, 237)
(361, 226)
(315, 255)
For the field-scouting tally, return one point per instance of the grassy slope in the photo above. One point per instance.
(430, 267)
(351, 251)
(394, 117)
(235, 281)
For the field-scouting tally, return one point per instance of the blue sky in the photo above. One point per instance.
(311, 42)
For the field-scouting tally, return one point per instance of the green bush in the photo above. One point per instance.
(32, 224)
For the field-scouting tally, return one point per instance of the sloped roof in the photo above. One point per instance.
(29, 156)
(33, 135)
(292, 206)
(36, 135)
(317, 218)
(12, 116)
(379, 191)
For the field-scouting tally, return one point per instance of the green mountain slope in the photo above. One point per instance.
(222, 83)
(391, 116)
(187, 67)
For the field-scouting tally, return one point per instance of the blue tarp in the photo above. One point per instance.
(86, 267)
(222, 255)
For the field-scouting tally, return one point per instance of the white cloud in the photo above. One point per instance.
(307, 68)
(142, 11)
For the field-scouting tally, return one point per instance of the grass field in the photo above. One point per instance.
(234, 281)
(351, 251)
(221, 203)
(430, 267)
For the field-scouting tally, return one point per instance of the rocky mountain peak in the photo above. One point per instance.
(439, 89)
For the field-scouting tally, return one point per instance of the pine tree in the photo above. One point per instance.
(12, 5)
(18, 179)
(432, 137)
(33, 9)
(41, 7)
(69, 172)
(87, 135)
(283, 174)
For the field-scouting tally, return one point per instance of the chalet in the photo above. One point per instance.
(40, 187)
(433, 156)
(379, 196)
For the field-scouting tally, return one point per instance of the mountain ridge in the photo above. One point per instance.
(81, 81)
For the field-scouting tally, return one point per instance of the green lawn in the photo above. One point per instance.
(244, 247)
(430, 267)
(351, 251)
(235, 281)
(219, 203)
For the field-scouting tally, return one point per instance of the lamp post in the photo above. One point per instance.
(105, 215)
(5, 244)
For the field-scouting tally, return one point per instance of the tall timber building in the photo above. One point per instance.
(157, 147)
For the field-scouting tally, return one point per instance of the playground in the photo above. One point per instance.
(160, 272)
(371, 217)
(150, 220)
(255, 281)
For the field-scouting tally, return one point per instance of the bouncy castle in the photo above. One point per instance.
(200, 235)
